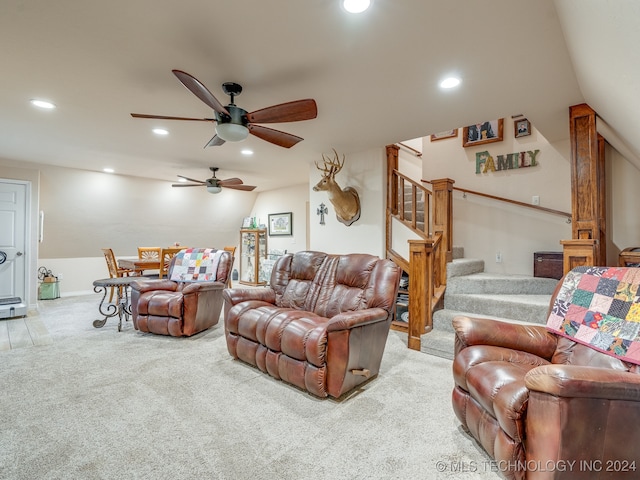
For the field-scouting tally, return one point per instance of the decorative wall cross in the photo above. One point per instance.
(322, 210)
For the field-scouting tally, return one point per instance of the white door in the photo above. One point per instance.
(13, 210)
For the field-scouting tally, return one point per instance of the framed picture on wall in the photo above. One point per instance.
(483, 132)
(522, 127)
(448, 134)
(281, 223)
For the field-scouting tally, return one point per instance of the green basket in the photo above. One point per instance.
(48, 291)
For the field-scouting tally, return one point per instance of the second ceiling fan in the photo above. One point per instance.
(234, 124)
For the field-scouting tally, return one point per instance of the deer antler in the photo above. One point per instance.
(331, 167)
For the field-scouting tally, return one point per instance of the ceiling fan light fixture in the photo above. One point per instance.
(213, 189)
(232, 132)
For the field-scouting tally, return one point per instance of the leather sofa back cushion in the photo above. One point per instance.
(331, 284)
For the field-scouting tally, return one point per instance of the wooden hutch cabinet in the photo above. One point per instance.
(253, 249)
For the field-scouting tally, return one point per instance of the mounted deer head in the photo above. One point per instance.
(346, 201)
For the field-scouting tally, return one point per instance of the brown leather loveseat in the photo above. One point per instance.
(189, 300)
(322, 325)
(547, 404)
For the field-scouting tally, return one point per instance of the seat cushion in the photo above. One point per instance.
(494, 378)
(161, 303)
(298, 334)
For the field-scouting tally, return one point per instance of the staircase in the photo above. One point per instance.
(473, 292)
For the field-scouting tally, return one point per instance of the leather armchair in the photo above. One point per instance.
(537, 401)
(321, 325)
(181, 307)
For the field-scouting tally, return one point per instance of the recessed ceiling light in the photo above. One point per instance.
(42, 104)
(246, 151)
(450, 82)
(108, 170)
(160, 131)
(182, 180)
(356, 6)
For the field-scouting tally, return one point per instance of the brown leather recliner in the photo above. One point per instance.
(189, 300)
(321, 325)
(544, 406)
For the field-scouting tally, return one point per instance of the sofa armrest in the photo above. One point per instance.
(586, 382)
(201, 287)
(142, 286)
(233, 296)
(483, 331)
(357, 318)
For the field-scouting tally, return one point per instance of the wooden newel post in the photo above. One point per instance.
(443, 223)
(588, 192)
(420, 290)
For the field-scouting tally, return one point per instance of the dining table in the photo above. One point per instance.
(140, 264)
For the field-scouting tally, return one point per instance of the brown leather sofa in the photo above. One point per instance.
(189, 300)
(322, 325)
(543, 406)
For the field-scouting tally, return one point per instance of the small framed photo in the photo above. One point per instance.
(281, 224)
(448, 134)
(522, 127)
(246, 222)
(483, 132)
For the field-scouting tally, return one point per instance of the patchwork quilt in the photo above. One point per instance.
(600, 307)
(196, 265)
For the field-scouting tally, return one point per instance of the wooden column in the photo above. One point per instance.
(588, 191)
(443, 222)
(392, 191)
(420, 290)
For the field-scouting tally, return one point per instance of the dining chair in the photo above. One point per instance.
(114, 270)
(232, 251)
(151, 253)
(166, 254)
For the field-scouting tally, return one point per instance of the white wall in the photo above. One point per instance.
(623, 195)
(292, 199)
(86, 211)
(366, 172)
(485, 227)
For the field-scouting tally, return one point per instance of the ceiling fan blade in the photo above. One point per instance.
(192, 180)
(286, 112)
(187, 184)
(200, 91)
(216, 141)
(230, 181)
(246, 188)
(282, 139)
(165, 117)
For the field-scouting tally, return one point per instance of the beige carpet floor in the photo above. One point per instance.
(102, 404)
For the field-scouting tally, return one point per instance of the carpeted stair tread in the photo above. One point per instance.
(439, 343)
(442, 319)
(500, 284)
(530, 308)
(464, 266)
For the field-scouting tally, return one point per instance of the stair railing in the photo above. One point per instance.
(429, 215)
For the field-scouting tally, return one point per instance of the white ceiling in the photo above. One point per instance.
(374, 76)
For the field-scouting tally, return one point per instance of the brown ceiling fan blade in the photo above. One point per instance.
(187, 184)
(285, 112)
(192, 180)
(200, 91)
(166, 117)
(246, 188)
(230, 181)
(216, 141)
(282, 139)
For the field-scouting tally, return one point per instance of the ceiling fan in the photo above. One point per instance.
(214, 184)
(234, 124)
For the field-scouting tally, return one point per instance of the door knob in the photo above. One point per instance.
(18, 254)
